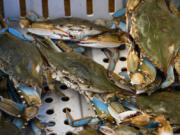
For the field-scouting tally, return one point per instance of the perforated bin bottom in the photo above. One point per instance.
(53, 107)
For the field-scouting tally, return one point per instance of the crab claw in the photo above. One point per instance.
(50, 31)
(139, 121)
(137, 78)
(169, 79)
(104, 40)
(10, 107)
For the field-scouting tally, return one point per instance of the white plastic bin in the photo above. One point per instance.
(53, 106)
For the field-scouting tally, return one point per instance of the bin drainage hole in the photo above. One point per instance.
(122, 58)
(48, 100)
(51, 123)
(69, 133)
(122, 47)
(63, 87)
(50, 111)
(66, 122)
(46, 88)
(102, 50)
(105, 60)
(64, 110)
(123, 69)
(65, 99)
(52, 134)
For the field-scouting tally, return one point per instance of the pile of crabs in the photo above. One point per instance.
(35, 53)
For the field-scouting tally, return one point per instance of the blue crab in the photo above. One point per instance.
(74, 70)
(89, 34)
(162, 103)
(83, 74)
(23, 69)
(150, 47)
(77, 71)
(25, 72)
(156, 34)
(64, 28)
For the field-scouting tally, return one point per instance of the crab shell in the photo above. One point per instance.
(23, 63)
(165, 103)
(156, 31)
(79, 72)
(8, 128)
(119, 130)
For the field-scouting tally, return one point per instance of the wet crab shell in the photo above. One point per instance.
(165, 103)
(21, 60)
(156, 32)
(23, 63)
(79, 72)
(7, 128)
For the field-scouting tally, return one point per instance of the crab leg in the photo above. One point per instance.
(113, 58)
(19, 123)
(3, 30)
(17, 34)
(113, 109)
(170, 77)
(117, 16)
(79, 122)
(119, 13)
(37, 127)
(75, 47)
(49, 30)
(33, 16)
(10, 107)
